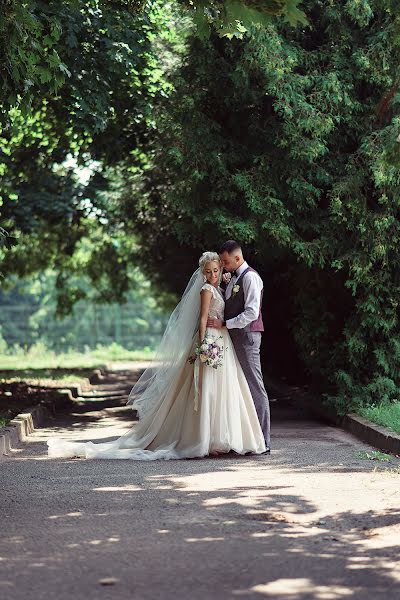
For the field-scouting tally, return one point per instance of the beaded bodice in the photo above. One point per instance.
(217, 304)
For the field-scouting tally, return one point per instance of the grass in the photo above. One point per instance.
(374, 455)
(41, 359)
(57, 374)
(387, 415)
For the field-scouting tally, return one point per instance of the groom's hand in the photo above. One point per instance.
(215, 323)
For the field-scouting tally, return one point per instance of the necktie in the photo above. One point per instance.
(234, 274)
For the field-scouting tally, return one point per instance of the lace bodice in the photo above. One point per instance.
(217, 304)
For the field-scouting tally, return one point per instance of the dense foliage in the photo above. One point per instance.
(41, 43)
(78, 83)
(283, 137)
(287, 140)
(79, 80)
(39, 38)
(234, 18)
(91, 117)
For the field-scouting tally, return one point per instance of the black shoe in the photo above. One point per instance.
(266, 451)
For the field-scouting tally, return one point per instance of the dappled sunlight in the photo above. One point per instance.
(136, 135)
(71, 514)
(240, 523)
(125, 488)
(299, 524)
(205, 539)
(291, 588)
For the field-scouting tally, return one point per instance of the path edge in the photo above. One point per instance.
(24, 423)
(375, 435)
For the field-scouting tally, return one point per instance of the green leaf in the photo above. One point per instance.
(238, 14)
(63, 68)
(294, 15)
(202, 24)
(45, 75)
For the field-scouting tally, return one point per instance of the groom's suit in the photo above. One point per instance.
(243, 299)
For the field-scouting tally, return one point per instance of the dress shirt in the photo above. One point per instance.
(252, 287)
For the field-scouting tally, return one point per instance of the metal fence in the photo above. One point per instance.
(130, 325)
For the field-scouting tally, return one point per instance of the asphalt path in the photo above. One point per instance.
(316, 519)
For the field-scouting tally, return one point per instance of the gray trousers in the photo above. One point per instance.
(247, 347)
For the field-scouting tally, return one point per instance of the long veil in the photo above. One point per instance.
(169, 424)
(149, 391)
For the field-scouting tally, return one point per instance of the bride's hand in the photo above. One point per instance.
(214, 323)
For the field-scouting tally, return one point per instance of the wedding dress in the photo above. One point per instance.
(185, 410)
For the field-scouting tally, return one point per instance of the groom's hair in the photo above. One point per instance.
(229, 247)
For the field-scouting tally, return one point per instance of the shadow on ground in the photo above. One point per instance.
(166, 532)
(310, 521)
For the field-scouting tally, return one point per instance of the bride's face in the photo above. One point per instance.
(212, 271)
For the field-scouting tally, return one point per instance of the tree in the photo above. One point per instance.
(36, 37)
(95, 119)
(80, 80)
(283, 137)
(287, 141)
(234, 18)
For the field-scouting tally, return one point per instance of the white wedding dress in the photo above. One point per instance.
(182, 424)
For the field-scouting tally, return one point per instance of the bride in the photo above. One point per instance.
(195, 401)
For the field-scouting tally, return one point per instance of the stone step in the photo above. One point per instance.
(83, 405)
(94, 399)
(111, 387)
(103, 394)
(109, 380)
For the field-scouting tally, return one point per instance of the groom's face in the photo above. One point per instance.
(230, 262)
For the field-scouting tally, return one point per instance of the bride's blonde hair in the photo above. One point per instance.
(207, 257)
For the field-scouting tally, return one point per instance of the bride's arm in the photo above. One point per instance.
(204, 308)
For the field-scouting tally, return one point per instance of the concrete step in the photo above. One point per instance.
(103, 394)
(96, 399)
(120, 386)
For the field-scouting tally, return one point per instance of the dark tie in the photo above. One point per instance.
(234, 274)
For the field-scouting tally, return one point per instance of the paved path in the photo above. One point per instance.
(311, 521)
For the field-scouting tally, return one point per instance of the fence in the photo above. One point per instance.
(132, 326)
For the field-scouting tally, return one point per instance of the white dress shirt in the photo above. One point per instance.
(252, 287)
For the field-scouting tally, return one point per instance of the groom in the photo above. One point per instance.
(243, 299)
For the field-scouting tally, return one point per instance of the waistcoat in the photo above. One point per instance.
(235, 305)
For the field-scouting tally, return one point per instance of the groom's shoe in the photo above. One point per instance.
(266, 451)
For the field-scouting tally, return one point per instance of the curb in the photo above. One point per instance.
(97, 376)
(375, 435)
(371, 433)
(23, 424)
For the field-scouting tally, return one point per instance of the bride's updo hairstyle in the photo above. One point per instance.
(207, 257)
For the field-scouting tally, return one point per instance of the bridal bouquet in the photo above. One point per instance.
(208, 352)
